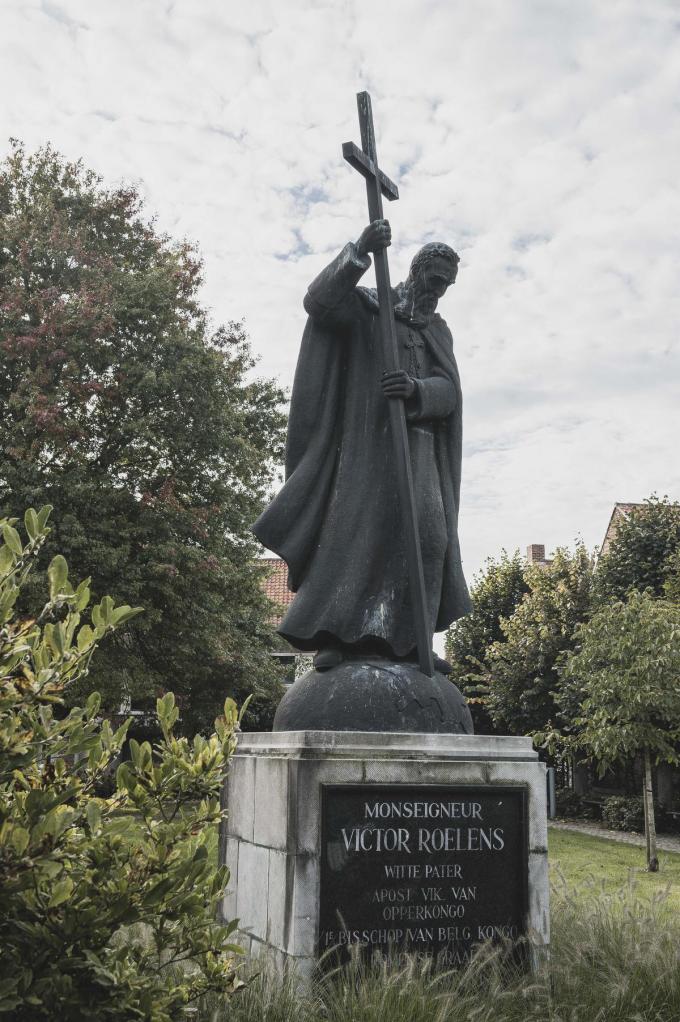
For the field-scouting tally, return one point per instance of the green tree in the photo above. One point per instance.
(626, 666)
(640, 556)
(672, 583)
(495, 593)
(523, 668)
(107, 905)
(124, 408)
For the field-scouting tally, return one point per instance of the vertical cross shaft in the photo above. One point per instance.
(365, 160)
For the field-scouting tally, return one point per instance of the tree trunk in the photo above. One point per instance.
(650, 825)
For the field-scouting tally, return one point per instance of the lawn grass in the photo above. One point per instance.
(584, 861)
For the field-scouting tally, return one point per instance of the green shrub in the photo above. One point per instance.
(107, 904)
(568, 803)
(571, 805)
(623, 812)
(627, 813)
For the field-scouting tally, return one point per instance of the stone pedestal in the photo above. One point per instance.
(391, 827)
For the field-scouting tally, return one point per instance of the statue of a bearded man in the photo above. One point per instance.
(336, 521)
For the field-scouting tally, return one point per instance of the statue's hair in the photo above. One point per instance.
(433, 250)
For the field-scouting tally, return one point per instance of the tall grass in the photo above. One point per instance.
(614, 958)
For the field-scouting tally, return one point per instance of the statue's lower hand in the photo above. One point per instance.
(376, 236)
(397, 384)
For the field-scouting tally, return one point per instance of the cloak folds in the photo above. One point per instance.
(336, 521)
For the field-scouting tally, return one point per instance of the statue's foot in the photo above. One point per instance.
(443, 666)
(327, 658)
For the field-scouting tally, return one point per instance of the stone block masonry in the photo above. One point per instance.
(428, 843)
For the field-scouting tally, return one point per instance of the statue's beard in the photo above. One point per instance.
(413, 305)
(425, 304)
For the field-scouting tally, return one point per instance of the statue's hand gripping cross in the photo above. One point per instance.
(365, 160)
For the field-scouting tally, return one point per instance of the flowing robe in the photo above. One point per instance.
(336, 521)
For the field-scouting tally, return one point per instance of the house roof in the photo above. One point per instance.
(621, 511)
(276, 586)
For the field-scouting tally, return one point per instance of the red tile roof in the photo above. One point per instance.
(276, 585)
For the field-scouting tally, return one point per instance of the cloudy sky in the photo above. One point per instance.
(541, 138)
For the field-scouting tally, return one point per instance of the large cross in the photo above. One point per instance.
(365, 160)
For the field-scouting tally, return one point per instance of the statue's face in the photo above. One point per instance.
(429, 284)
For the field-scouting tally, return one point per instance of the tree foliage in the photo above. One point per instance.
(642, 553)
(495, 593)
(107, 905)
(523, 668)
(672, 583)
(626, 669)
(123, 408)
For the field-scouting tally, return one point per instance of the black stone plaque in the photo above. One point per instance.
(425, 870)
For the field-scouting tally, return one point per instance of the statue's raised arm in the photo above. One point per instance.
(331, 296)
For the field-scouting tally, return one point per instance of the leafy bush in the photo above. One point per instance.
(621, 812)
(568, 803)
(571, 805)
(107, 904)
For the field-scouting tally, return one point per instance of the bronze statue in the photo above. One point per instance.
(341, 521)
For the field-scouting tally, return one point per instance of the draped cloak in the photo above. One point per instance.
(336, 522)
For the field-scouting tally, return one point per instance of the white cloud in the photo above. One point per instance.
(540, 137)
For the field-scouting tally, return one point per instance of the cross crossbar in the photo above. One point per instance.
(358, 159)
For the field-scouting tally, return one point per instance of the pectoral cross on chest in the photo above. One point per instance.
(415, 353)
